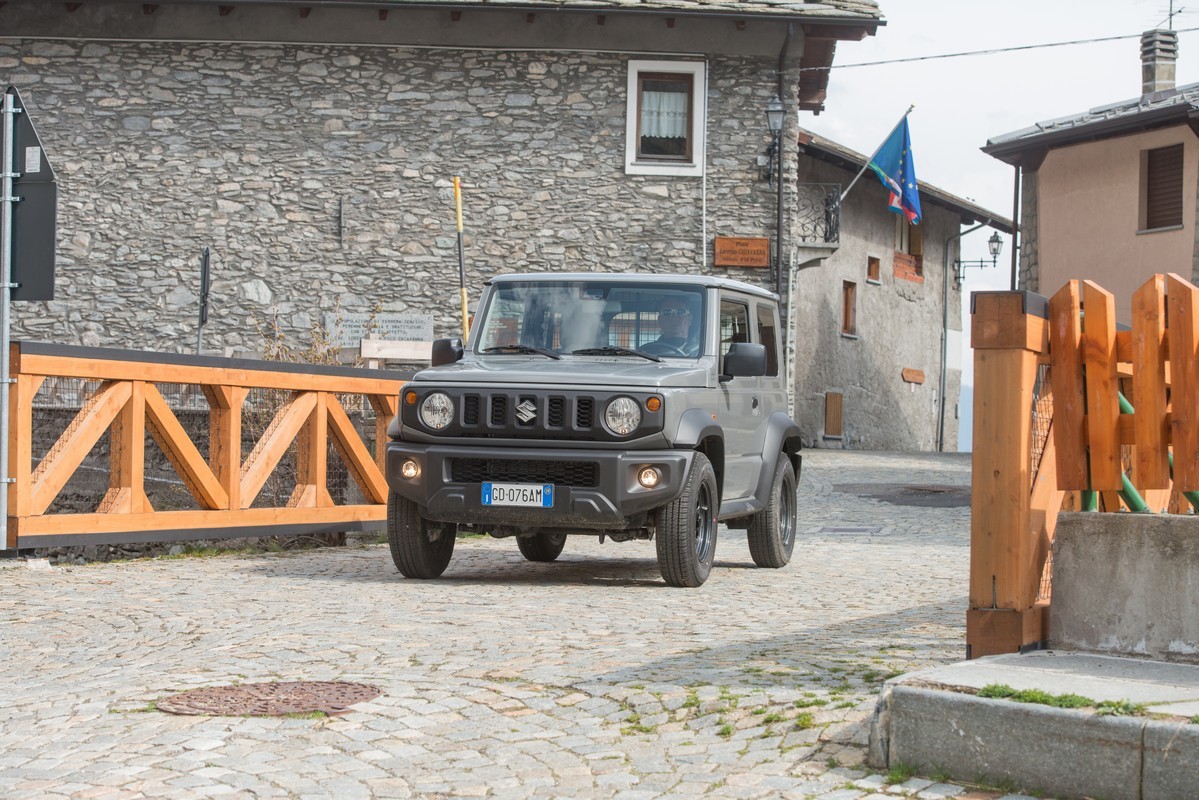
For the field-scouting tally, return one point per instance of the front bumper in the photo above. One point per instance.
(592, 488)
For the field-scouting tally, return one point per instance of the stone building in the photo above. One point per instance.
(878, 327)
(312, 147)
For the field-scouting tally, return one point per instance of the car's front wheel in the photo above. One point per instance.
(771, 533)
(419, 548)
(541, 546)
(686, 536)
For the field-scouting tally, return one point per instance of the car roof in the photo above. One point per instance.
(655, 279)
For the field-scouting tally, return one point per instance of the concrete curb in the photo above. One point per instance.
(1056, 751)
(1062, 752)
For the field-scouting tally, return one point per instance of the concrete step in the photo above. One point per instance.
(933, 722)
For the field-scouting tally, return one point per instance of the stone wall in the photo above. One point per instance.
(899, 325)
(261, 151)
(1126, 585)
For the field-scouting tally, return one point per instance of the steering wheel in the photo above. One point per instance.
(663, 349)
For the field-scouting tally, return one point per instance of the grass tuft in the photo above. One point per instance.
(1037, 696)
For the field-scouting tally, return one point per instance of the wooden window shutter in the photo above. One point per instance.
(1163, 187)
(849, 307)
(833, 410)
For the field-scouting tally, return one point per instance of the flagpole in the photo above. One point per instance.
(875, 153)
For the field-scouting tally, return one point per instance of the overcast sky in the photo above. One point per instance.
(962, 102)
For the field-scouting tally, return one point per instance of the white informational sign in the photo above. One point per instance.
(351, 328)
(33, 159)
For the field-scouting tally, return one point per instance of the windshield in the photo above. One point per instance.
(593, 318)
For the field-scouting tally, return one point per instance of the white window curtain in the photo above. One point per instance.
(664, 114)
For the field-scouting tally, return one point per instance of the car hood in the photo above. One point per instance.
(625, 371)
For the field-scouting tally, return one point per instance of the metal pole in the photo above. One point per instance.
(461, 261)
(6, 202)
(1016, 227)
(875, 153)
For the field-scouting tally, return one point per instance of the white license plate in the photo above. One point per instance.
(519, 494)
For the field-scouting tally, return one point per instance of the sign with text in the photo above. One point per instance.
(350, 328)
(742, 251)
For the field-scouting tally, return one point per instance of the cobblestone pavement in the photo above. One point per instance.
(587, 677)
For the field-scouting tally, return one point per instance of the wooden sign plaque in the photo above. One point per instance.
(742, 251)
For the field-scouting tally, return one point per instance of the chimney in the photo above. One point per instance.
(1159, 51)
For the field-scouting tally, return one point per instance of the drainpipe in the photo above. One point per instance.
(945, 332)
(778, 223)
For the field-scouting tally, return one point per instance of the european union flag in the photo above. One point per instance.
(894, 166)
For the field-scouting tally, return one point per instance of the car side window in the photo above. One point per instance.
(734, 324)
(768, 336)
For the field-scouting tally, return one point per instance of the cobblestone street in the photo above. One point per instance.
(587, 677)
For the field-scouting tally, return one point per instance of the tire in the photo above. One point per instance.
(541, 546)
(686, 536)
(771, 532)
(415, 554)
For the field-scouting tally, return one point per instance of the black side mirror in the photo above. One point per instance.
(745, 360)
(446, 351)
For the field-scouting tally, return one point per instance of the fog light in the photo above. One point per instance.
(410, 469)
(649, 477)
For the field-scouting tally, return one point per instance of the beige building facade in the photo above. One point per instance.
(1110, 195)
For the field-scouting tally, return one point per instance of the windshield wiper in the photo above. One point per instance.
(522, 348)
(610, 350)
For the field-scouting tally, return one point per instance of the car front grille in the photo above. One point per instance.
(583, 474)
(521, 414)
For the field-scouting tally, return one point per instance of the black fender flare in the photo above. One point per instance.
(782, 441)
(696, 427)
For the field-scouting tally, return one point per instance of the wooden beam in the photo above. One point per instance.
(127, 457)
(20, 444)
(995, 631)
(312, 464)
(386, 407)
(179, 449)
(224, 439)
(999, 322)
(274, 443)
(76, 442)
(1182, 301)
(366, 473)
(1069, 409)
(29, 528)
(1103, 404)
(111, 370)
(1151, 453)
(1000, 507)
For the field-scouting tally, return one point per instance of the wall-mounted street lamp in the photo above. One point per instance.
(776, 114)
(994, 246)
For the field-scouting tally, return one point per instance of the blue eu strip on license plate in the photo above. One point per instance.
(527, 495)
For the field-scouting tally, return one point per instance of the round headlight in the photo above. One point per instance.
(623, 416)
(437, 411)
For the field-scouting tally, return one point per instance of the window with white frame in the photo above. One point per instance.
(664, 130)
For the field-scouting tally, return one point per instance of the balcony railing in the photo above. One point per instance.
(818, 213)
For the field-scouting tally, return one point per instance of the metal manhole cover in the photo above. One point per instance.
(924, 495)
(270, 699)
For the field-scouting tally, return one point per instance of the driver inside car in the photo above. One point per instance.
(674, 322)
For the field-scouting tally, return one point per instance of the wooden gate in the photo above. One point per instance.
(1072, 411)
(122, 395)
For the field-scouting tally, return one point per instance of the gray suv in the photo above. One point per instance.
(624, 406)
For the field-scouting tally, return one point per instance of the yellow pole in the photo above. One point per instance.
(461, 259)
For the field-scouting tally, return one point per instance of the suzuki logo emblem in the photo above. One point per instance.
(526, 412)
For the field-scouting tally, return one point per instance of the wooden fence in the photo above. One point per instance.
(125, 399)
(1071, 410)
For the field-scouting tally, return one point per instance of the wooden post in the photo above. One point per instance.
(1182, 300)
(224, 438)
(1003, 616)
(1152, 466)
